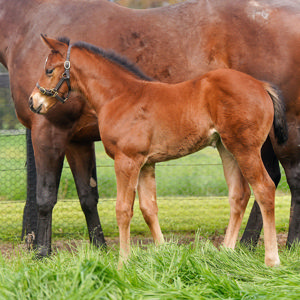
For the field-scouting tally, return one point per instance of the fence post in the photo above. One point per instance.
(30, 210)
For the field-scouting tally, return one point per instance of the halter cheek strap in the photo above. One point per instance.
(65, 78)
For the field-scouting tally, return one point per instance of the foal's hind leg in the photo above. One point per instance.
(255, 223)
(263, 187)
(239, 194)
(148, 204)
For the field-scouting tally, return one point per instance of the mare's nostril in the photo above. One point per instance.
(30, 101)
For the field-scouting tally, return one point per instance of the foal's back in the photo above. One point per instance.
(192, 115)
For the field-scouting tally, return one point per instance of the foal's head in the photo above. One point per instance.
(54, 84)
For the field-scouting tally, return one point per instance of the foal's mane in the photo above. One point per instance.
(110, 55)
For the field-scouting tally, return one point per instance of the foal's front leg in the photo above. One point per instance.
(148, 203)
(127, 174)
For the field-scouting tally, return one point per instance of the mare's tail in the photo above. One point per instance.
(279, 123)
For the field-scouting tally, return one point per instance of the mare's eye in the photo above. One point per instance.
(49, 72)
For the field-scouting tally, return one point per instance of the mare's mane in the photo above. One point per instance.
(110, 55)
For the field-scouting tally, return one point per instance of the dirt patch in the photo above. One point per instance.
(11, 249)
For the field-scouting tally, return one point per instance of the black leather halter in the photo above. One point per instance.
(65, 78)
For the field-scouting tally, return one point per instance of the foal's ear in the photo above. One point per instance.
(55, 45)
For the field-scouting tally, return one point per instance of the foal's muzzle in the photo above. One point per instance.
(35, 110)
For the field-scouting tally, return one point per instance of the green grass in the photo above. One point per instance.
(171, 271)
(184, 215)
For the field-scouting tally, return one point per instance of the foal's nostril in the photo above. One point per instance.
(30, 102)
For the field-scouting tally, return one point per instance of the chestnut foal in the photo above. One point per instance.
(143, 122)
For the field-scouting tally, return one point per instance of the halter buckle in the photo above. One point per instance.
(67, 65)
(42, 90)
(53, 92)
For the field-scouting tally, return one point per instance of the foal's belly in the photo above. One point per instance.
(187, 144)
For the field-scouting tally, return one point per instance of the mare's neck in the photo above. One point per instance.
(13, 25)
(101, 80)
(22, 21)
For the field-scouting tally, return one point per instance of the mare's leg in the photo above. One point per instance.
(293, 179)
(49, 156)
(127, 174)
(255, 222)
(148, 203)
(289, 155)
(30, 210)
(292, 171)
(81, 158)
(263, 187)
(239, 194)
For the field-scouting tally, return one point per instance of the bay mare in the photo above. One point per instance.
(170, 44)
(143, 122)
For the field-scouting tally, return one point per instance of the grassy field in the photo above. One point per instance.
(178, 215)
(189, 270)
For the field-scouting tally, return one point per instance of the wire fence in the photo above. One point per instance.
(185, 184)
(174, 179)
(179, 178)
(177, 215)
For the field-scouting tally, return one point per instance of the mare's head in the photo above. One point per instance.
(54, 83)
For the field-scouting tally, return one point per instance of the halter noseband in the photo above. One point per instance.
(65, 78)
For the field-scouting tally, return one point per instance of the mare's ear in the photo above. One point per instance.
(55, 45)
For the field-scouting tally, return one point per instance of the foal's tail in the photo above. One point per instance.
(279, 123)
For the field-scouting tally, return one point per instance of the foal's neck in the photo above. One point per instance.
(101, 80)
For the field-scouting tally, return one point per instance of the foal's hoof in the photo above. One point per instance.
(272, 262)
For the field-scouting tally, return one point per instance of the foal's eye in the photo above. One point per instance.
(49, 72)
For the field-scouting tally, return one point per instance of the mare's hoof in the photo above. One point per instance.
(42, 252)
(98, 240)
